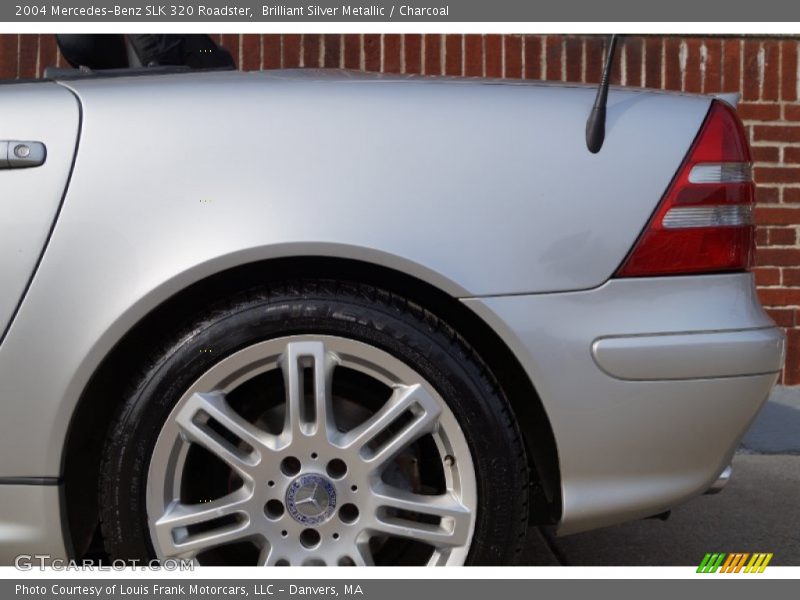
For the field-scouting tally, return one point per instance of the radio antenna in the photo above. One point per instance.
(596, 123)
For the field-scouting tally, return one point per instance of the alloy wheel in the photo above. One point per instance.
(312, 450)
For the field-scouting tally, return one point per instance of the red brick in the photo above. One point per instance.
(633, 60)
(230, 41)
(767, 195)
(8, 55)
(493, 55)
(473, 55)
(779, 257)
(712, 81)
(28, 49)
(652, 67)
(761, 236)
(533, 57)
(751, 111)
(776, 133)
(791, 373)
(777, 216)
(791, 195)
(779, 296)
(777, 174)
(731, 68)
(311, 49)
(767, 276)
(751, 71)
(791, 277)
(552, 58)
(513, 50)
(782, 236)
(593, 50)
(574, 58)
(783, 317)
(352, 51)
(765, 154)
(391, 53)
(791, 112)
(291, 50)
(413, 52)
(770, 89)
(251, 52)
(332, 51)
(433, 54)
(271, 51)
(452, 56)
(791, 155)
(672, 64)
(693, 78)
(616, 66)
(789, 70)
(748, 131)
(372, 52)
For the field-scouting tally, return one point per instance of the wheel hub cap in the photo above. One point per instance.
(311, 499)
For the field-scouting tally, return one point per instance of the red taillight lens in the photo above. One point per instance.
(704, 223)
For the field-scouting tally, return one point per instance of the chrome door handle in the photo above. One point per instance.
(16, 154)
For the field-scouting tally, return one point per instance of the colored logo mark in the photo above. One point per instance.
(735, 562)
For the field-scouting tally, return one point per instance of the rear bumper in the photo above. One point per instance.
(649, 385)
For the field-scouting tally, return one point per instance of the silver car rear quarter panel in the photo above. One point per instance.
(419, 174)
(630, 449)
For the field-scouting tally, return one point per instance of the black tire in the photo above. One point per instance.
(350, 310)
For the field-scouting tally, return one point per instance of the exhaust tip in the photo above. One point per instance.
(721, 481)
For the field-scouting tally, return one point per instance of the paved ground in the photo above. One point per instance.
(759, 510)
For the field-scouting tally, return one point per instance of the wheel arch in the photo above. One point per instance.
(93, 413)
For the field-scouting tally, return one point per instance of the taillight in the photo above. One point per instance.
(704, 223)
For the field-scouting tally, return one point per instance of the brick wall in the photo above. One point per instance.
(766, 71)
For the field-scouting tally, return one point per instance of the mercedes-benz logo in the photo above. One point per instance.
(311, 499)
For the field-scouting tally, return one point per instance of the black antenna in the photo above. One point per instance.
(596, 123)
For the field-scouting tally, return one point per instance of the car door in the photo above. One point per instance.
(35, 118)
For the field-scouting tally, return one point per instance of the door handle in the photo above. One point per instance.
(18, 155)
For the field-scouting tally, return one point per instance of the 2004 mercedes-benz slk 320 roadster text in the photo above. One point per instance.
(310, 317)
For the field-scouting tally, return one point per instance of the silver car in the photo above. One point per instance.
(318, 317)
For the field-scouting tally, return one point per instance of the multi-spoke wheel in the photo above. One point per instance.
(316, 428)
